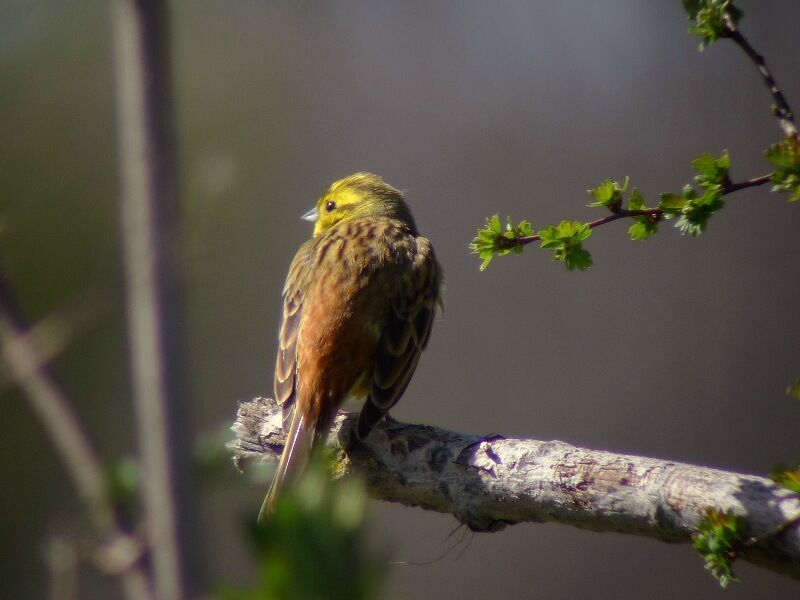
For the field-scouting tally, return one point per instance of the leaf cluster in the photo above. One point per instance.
(709, 18)
(716, 539)
(786, 158)
(494, 240)
(645, 225)
(566, 241)
(692, 209)
(610, 194)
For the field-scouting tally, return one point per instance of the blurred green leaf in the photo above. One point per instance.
(794, 389)
(314, 546)
(212, 457)
(123, 482)
(787, 476)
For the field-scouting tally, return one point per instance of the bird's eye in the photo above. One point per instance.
(330, 206)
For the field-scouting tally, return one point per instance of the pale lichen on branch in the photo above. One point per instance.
(490, 482)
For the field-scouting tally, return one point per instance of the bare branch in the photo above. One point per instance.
(28, 370)
(488, 483)
(149, 212)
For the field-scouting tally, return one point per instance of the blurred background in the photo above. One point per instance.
(677, 347)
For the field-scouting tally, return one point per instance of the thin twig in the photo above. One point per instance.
(55, 332)
(782, 110)
(656, 213)
(756, 181)
(149, 212)
(66, 434)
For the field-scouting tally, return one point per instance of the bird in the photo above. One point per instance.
(358, 308)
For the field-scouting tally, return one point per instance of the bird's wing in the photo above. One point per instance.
(404, 336)
(293, 297)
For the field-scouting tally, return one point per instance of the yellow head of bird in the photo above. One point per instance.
(358, 196)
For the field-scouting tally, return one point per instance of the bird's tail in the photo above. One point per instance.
(293, 460)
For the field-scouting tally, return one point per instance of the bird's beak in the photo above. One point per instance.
(311, 215)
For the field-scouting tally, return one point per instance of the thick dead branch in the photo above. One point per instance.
(490, 482)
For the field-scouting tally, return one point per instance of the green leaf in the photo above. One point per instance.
(524, 228)
(786, 157)
(672, 203)
(577, 258)
(794, 389)
(717, 538)
(705, 164)
(709, 18)
(787, 477)
(724, 161)
(643, 228)
(608, 194)
(712, 173)
(572, 231)
(645, 225)
(495, 240)
(565, 240)
(636, 201)
(603, 192)
(693, 211)
(711, 199)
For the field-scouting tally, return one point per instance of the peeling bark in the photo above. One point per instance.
(490, 482)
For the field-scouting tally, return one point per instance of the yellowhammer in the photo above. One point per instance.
(358, 307)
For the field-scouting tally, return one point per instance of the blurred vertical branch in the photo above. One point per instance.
(149, 207)
(28, 369)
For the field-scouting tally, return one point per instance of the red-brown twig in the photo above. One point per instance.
(655, 213)
(782, 110)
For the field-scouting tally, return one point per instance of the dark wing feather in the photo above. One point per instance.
(293, 297)
(404, 336)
